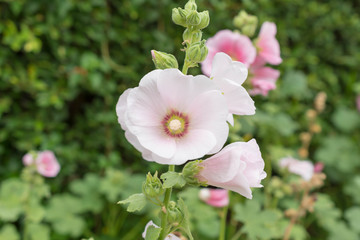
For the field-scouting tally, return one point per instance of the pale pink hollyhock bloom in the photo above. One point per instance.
(263, 79)
(28, 159)
(268, 46)
(214, 197)
(172, 118)
(303, 168)
(358, 102)
(47, 164)
(238, 47)
(318, 167)
(168, 237)
(237, 167)
(228, 76)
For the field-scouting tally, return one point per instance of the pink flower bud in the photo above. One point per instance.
(237, 167)
(214, 197)
(28, 159)
(305, 169)
(47, 164)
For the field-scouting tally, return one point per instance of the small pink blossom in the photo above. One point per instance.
(303, 168)
(28, 159)
(47, 164)
(263, 79)
(172, 118)
(214, 197)
(268, 46)
(318, 167)
(358, 103)
(168, 237)
(237, 167)
(238, 47)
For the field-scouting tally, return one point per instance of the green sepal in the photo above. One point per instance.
(153, 233)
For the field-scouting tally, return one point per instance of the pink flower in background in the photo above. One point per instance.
(237, 167)
(228, 76)
(47, 164)
(168, 237)
(238, 47)
(318, 167)
(268, 46)
(214, 197)
(172, 118)
(358, 102)
(303, 168)
(28, 159)
(263, 80)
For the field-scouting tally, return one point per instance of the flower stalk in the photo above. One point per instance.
(164, 211)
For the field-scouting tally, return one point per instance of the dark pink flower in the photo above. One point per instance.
(238, 47)
(263, 79)
(214, 197)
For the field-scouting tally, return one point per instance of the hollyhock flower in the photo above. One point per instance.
(263, 79)
(168, 237)
(358, 102)
(214, 197)
(172, 118)
(238, 47)
(47, 164)
(268, 46)
(28, 159)
(305, 169)
(228, 76)
(237, 167)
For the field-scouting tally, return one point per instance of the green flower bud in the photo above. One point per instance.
(246, 23)
(191, 5)
(175, 216)
(179, 16)
(190, 171)
(152, 187)
(204, 20)
(193, 18)
(164, 60)
(192, 37)
(197, 52)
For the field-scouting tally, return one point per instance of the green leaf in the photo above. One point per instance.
(353, 216)
(63, 212)
(258, 223)
(152, 233)
(294, 85)
(346, 119)
(9, 232)
(173, 179)
(325, 211)
(185, 223)
(136, 202)
(39, 232)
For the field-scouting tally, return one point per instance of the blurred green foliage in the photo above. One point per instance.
(64, 63)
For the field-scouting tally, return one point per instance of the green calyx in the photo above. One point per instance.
(164, 60)
(152, 186)
(246, 23)
(190, 173)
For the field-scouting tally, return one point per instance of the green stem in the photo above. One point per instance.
(185, 68)
(164, 208)
(223, 223)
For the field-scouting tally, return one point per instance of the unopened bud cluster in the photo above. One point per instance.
(246, 23)
(194, 22)
(152, 187)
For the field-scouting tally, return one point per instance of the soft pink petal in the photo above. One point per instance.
(28, 159)
(238, 100)
(268, 45)
(155, 140)
(303, 168)
(47, 165)
(195, 144)
(121, 108)
(223, 67)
